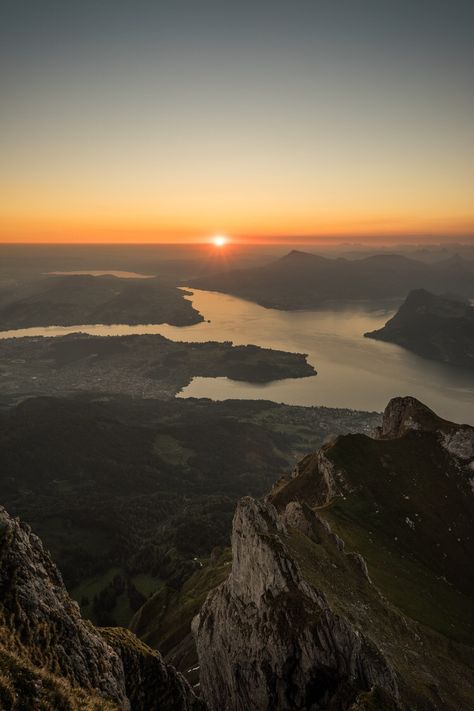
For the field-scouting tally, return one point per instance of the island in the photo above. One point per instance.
(437, 327)
(136, 365)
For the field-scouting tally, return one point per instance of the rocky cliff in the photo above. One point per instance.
(350, 585)
(50, 658)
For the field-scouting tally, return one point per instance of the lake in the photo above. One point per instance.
(353, 371)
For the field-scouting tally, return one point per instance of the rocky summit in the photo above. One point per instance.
(351, 586)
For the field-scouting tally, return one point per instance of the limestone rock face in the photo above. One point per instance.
(406, 413)
(151, 685)
(41, 629)
(267, 639)
(38, 610)
(333, 602)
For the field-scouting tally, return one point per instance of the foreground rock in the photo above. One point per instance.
(51, 658)
(276, 641)
(305, 622)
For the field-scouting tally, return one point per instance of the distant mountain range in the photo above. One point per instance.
(436, 327)
(301, 280)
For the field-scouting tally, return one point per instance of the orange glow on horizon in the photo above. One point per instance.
(197, 123)
(384, 230)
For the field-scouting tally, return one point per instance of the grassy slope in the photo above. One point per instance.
(407, 509)
(409, 493)
(410, 585)
(427, 663)
(405, 505)
(165, 619)
(24, 686)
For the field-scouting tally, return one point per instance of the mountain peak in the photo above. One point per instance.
(299, 254)
(407, 413)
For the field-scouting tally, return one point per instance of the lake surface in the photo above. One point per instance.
(353, 371)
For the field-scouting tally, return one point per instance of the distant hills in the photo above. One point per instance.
(83, 299)
(301, 280)
(436, 327)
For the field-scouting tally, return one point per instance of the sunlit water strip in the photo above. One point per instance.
(353, 371)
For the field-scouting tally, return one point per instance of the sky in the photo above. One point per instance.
(145, 121)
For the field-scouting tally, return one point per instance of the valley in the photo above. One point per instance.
(132, 495)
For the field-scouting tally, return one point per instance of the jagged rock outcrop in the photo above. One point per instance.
(267, 639)
(403, 414)
(334, 597)
(150, 684)
(43, 638)
(36, 607)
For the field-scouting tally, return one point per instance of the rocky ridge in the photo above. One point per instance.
(306, 622)
(276, 641)
(49, 652)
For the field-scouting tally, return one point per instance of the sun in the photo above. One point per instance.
(219, 240)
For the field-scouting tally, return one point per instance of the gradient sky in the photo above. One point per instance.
(162, 121)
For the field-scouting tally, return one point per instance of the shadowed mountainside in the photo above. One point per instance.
(301, 280)
(51, 659)
(436, 327)
(83, 299)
